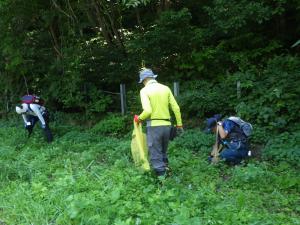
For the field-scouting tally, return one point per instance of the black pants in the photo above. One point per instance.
(47, 132)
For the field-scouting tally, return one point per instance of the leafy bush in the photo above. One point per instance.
(284, 147)
(113, 124)
(260, 135)
(270, 96)
(202, 98)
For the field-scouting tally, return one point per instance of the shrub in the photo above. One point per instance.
(113, 125)
(200, 98)
(271, 95)
(260, 135)
(284, 147)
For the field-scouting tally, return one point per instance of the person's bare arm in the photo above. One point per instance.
(223, 134)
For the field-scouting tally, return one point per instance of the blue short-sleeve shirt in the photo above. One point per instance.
(228, 125)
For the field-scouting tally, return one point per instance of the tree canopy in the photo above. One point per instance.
(70, 51)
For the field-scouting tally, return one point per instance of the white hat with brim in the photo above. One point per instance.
(146, 73)
(20, 110)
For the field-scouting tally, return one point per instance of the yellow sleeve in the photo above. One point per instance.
(147, 109)
(175, 108)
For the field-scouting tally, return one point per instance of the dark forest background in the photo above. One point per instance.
(74, 53)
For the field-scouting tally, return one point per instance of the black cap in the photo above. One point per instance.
(212, 122)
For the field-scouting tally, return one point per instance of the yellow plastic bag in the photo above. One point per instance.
(139, 149)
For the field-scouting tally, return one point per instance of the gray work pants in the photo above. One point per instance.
(157, 140)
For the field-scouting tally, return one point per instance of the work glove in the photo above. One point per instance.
(136, 119)
(179, 130)
(27, 124)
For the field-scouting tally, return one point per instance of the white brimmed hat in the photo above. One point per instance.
(22, 109)
(146, 73)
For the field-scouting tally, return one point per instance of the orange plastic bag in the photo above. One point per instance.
(139, 148)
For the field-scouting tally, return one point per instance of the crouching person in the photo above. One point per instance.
(232, 144)
(33, 111)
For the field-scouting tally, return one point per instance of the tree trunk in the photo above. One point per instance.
(138, 19)
(163, 5)
(53, 29)
(101, 22)
(112, 19)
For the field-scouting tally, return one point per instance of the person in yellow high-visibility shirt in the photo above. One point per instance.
(156, 100)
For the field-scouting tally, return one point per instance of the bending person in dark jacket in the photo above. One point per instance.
(33, 113)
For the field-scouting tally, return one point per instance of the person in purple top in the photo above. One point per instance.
(233, 139)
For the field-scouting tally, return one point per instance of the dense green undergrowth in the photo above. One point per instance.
(87, 177)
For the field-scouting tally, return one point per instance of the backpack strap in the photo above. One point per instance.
(29, 107)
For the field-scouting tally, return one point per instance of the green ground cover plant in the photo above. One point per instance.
(230, 57)
(85, 177)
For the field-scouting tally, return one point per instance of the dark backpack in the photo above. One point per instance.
(245, 126)
(32, 99)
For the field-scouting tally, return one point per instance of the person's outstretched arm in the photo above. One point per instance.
(36, 109)
(175, 108)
